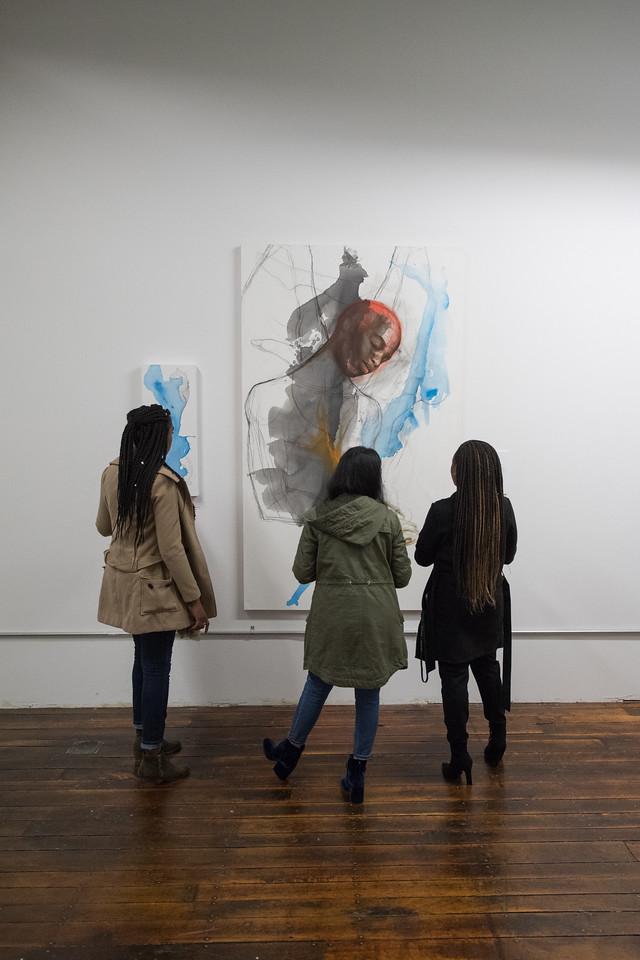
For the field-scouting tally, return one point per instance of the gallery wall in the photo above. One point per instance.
(143, 143)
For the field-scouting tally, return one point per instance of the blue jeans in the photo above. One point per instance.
(310, 706)
(150, 681)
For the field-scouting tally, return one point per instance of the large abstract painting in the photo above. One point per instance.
(175, 387)
(343, 346)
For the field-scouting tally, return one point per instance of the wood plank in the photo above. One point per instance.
(163, 867)
(373, 926)
(24, 935)
(518, 948)
(108, 950)
(34, 897)
(350, 906)
(306, 788)
(168, 836)
(558, 948)
(117, 822)
(204, 850)
(478, 886)
(18, 803)
(353, 903)
(271, 876)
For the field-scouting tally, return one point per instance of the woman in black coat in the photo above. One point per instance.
(466, 611)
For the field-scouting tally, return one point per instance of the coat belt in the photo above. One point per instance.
(351, 583)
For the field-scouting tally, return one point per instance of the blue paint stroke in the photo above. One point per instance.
(294, 599)
(427, 380)
(172, 395)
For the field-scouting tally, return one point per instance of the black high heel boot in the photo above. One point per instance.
(353, 781)
(286, 755)
(460, 763)
(495, 748)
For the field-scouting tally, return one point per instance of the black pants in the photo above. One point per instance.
(455, 697)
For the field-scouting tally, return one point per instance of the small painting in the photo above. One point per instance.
(175, 387)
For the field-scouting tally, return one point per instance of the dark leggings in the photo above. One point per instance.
(455, 697)
(150, 681)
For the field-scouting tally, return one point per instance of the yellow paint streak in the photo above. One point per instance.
(323, 446)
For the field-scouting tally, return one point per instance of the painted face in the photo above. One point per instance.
(367, 334)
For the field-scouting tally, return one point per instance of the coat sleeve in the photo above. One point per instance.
(103, 520)
(304, 565)
(400, 563)
(429, 539)
(511, 540)
(166, 514)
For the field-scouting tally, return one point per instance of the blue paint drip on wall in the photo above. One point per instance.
(427, 380)
(168, 393)
(294, 599)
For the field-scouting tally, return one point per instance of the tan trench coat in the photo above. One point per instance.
(147, 589)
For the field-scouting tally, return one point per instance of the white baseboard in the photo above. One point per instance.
(96, 671)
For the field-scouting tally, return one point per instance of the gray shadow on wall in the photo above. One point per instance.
(558, 78)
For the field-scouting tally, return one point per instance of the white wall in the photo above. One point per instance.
(142, 142)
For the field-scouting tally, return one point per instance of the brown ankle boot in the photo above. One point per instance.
(168, 747)
(157, 768)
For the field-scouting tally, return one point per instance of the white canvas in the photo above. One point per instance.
(175, 387)
(340, 347)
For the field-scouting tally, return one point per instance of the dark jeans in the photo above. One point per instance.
(312, 701)
(455, 697)
(150, 679)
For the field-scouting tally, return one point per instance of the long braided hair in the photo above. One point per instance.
(142, 452)
(478, 523)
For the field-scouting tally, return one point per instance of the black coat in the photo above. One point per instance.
(448, 630)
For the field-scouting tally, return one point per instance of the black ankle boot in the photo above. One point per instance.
(353, 781)
(286, 755)
(495, 748)
(460, 763)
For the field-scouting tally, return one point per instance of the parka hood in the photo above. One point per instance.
(353, 519)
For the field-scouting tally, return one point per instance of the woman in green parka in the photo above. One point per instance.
(352, 545)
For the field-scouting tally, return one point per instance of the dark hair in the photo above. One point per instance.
(359, 472)
(478, 546)
(142, 452)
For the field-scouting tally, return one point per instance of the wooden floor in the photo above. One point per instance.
(540, 859)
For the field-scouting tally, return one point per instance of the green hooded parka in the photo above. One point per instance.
(354, 549)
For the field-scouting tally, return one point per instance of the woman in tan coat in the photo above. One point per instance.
(155, 578)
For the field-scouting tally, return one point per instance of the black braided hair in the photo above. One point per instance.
(142, 452)
(478, 525)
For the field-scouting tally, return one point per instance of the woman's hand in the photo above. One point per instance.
(200, 618)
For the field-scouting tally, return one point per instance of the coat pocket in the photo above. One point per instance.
(157, 596)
